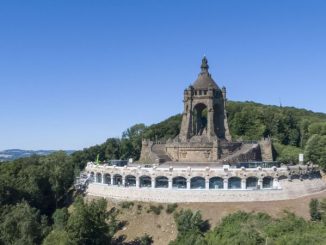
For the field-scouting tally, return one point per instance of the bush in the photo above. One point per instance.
(144, 240)
(155, 209)
(314, 210)
(126, 204)
(171, 208)
(139, 208)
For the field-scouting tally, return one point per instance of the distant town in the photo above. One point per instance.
(12, 154)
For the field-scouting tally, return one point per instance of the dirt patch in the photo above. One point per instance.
(162, 227)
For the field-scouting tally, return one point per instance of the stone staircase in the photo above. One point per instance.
(244, 154)
(266, 149)
(159, 153)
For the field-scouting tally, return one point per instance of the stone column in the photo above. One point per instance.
(260, 183)
(170, 183)
(112, 177)
(137, 181)
(123, 181)
(225, 184)
(206, 184)
(275, 183)
(103, 178)
(188, 184)
(153, 182)
(243, 184)
(210, 116)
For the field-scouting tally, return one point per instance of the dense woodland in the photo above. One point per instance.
(36, 192)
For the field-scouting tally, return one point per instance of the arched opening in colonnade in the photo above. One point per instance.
(267, 182)
(179, 182)
(117, 179)
(91, 177)
(216, 183)
(130, 180)
(107, 179)
(234, 183)
(98, 178)
(145, 181)
(251, 183)
(161, 182)
(197, 183)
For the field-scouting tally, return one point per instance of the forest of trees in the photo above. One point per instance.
(35, 192)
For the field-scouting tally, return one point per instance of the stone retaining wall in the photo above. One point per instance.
(290, 190)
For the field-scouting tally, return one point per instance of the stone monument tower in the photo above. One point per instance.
(204, 114)
(204, 134)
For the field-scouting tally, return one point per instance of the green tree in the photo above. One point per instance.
(112, 149)
(191, 228)
(314, 210)
(58, 237)
(287, 153)
(315, 150)
(90, 223)
(60, 218)
(187, 221)
(240, 228)
(22, 224)
(60, 170)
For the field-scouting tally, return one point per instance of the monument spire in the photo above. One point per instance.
(204, 65)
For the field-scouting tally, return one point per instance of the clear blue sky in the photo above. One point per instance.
(73, 73)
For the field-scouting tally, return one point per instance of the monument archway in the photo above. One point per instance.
(200, 119)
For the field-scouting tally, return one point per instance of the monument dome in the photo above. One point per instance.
(204, 80)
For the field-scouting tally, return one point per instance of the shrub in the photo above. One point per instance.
(144, 240)
(155, 209)
(139, 208)
(171, 208)
(314, 210)
(126, 204)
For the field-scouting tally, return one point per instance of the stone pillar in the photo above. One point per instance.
(276, 184)
(123, 181)
(243, 184)
(170, 183)
(112, 178)
(260, 183)
(225, 184)
(103, 178)
(137, 181)
(188, 184)
(206, 184)
(153, 182)
(210, 115)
